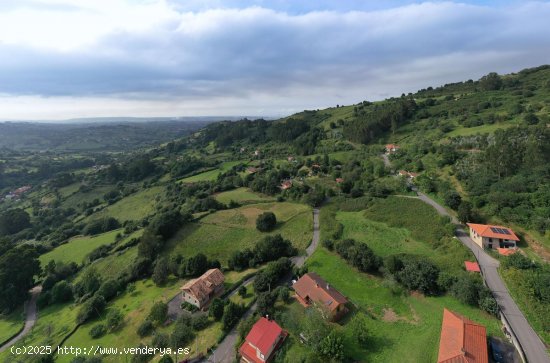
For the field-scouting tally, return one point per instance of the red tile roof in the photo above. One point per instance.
(472, 266)
(202, 286)
(486, 230)
(263, 335)
(319, 291)
(462, 340)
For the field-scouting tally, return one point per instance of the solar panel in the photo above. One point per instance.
(500, 230)
(505, 231)
(494, 229)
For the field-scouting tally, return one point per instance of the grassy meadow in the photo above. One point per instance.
(211, 174)
(220, 234)
(133, 207)
(11, 324)
(242, 196)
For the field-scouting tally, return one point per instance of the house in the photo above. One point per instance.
(489, 236)
(252, 170)
(256, 152)
(262, 341)
(200, 291)
(462, 340)
(286, 184)
(339, 180)
(407, 174)
(290, 159)
(471, 266)
(391, 148)
(311, 289)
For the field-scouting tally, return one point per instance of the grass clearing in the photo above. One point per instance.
(220, 234)
(11, 324)
(243, 196)
(211, 174)
(78, 247)
(133, 207)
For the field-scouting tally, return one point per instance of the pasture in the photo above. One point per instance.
(211, 174)
(220, 234)
(242, 196)
(11, 324)
(133, 207)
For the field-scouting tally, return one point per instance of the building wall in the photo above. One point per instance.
(191, 299)
(476, 238)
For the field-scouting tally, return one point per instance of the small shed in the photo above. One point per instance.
(472, 266)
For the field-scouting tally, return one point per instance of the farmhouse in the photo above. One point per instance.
(391, 148)
(311, 289)
(462, 340)
(200, 291)
(488, 236)
(262, 341)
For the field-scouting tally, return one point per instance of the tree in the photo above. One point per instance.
(62, 292)
(114, 319)
(97, 331)
(418, 273)
(490, 82)
(18, 266)
(13, 221)
(266, 302)
(332, 347)
(160, 272)
(161, 340)
(158, 312)
(519, 261)
(109, 289)
(231, 315)
(149, 245)
(266, 222)
(216, 309)
(91, 280)
(91, 308)
(359, 326)
(182, 334)
(271, 248)
(166, 359)
(242, 291)
(465, 212)
(197, 265)
(453, 199)
(145, 328)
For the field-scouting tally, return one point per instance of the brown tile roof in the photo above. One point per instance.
(462, 340)
(202, 286)
(319, 291)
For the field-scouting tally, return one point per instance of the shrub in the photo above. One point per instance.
(98, 331)
(61, 292)
(242, 291)
(328, 244)
(91, 308)
(216, 309)
(158, 312)
(519, 261)
(266, 222)
(161, 340)
(109, 289)
(231, 315)
(145, 328)
(114, 319)
(199, 322)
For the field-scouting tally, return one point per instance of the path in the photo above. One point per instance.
(532, 345)
(29, 320)
(225, 351)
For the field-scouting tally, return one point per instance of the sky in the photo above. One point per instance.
(63, 59)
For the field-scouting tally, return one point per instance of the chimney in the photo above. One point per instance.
(328, 286)
(267, 316)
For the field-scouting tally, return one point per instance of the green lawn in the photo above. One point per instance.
(211, 174)
(78, 247)
(400, 323)
(220, 234)
(11, 324)
(133, 207)
(483, 129)
(243, 196)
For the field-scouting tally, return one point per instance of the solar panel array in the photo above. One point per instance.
(500, 230)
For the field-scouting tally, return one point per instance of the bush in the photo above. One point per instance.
(199, 322)
(328, 244)
(242, 291)
(98, 331)
(109, 289)
(159, 312)
(216, 309)
(91, 308)
(519, 261)
(161, 340)
(359, 255)
(114, 319)
(266, 222)
(145, 328)
(231, 315)
(61, 292)
(415, 273)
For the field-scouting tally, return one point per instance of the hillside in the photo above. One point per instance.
(112, 230)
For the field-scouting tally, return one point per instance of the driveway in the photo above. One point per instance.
(30, 320)
(532, 345)
(225, 351)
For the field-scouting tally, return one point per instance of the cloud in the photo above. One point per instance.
(246, 60)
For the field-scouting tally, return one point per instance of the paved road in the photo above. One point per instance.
(533, 347)
(225, 351)
(30, 319)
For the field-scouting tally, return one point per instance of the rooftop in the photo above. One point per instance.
(462, 340)
(490, 231)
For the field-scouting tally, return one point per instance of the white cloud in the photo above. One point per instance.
(117, 57)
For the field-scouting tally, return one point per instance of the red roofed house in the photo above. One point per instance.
(487, 236)
(339, 180)
(311, 289)
(202, 290)
(262, 341)
(472, 266)
(391, 148)
(286, 184)
(462, 340)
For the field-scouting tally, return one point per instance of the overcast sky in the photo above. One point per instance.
(86, 58)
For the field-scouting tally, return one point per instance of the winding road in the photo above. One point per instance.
(30, 319)
(225, 351)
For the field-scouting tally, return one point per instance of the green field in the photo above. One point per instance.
(211, 174)
(76, 199)
(135, 306)
(242, 196)
(220, 234)
(133, 207)
(78, 247)
(400, 323)
(11, 324)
